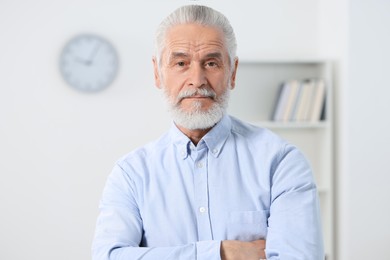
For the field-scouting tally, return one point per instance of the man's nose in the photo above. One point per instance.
(197, 76)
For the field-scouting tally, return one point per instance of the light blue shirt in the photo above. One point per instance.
(173, 200)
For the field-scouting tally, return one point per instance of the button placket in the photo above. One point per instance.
(201, 195)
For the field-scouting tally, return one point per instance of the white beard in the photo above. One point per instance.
(197, 118)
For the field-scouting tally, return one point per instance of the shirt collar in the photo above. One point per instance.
(180, 140)
(214, 139)
(217, 136)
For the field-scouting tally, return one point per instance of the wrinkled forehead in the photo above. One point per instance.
(195, 39)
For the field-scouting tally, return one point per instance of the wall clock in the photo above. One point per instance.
(89, 63)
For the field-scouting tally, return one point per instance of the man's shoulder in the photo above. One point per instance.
(260, 140)
(145, 152)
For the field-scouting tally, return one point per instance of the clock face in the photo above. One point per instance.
(89, 63)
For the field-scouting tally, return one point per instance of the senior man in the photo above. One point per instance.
(212, 187)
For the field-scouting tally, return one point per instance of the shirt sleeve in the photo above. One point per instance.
(294, 225)
(118, 231)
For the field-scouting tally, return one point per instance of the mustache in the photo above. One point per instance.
(203, 92)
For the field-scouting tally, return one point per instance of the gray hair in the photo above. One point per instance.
(198, 14)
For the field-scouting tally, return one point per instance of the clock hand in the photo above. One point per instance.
(93, 54)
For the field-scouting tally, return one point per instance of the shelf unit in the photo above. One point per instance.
(253, 100)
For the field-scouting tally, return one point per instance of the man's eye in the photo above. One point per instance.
(211, 64)
(181, 63)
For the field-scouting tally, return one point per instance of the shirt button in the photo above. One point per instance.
(199, 165)
(202, 209)
(214, 151)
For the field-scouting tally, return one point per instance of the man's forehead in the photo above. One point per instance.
(188, 47)
(202, 54)
(194, 37)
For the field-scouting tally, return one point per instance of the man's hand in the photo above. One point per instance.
(238, 250)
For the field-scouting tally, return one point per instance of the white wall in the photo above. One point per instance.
(356, 34)
(367, 133)
(57, 145)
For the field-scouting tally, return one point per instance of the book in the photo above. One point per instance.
(309, 105)
(276, 114)
(304, 101)
(318, 101)
(284, 92)
(294, 112)
(293, 85)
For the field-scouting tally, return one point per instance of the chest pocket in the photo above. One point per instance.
(247, 225)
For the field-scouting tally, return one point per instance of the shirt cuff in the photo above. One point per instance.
(208, 250)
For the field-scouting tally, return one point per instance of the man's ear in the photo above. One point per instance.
(157, 79)
(233, 75)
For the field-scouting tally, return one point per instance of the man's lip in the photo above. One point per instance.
(198, 97)
(195, 97)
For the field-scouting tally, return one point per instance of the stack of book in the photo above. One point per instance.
(300, 101)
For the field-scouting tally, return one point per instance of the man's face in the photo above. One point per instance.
(195, 71)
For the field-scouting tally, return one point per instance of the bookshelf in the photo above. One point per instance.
(253, 100)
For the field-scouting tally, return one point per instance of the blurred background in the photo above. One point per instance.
(58, 145)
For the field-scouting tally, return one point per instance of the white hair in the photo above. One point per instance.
(198, 14)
